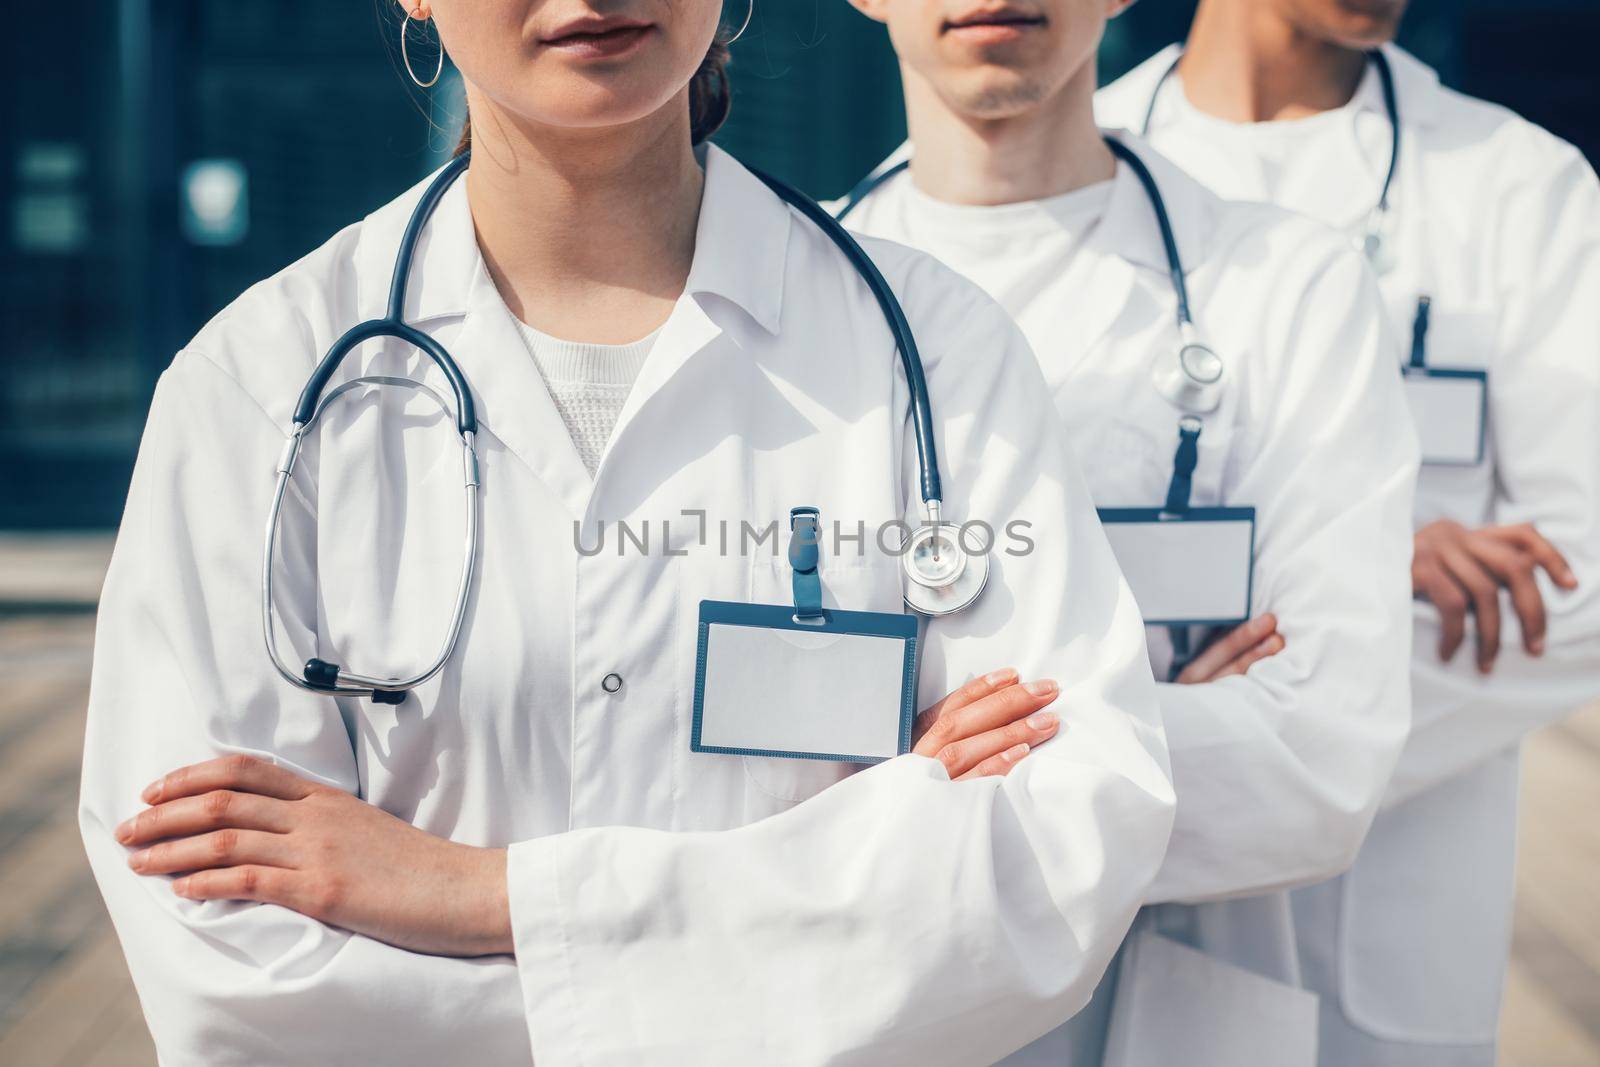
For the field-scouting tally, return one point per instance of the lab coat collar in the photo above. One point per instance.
(1416, 84)
(1129, 228)
(742, 241)
(741, 246)
(1128, 240)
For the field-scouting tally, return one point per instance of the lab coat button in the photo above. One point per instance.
(611, 682)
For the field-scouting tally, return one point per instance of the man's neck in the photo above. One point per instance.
(1050, 149)
(1245, 63)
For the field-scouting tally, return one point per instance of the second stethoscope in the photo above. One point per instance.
(944, 574)
(1372, 239)
(1192, 377)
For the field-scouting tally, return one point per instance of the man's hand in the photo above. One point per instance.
(1235, 651)
(238, 828)
(987, 725)
(1459, 570)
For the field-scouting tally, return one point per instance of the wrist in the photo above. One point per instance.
(487, 904)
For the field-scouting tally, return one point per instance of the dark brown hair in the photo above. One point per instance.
(710, 97)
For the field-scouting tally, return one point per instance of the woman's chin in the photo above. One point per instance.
(593, 107)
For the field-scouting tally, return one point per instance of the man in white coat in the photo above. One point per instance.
(1488, 248)
(1283, 732)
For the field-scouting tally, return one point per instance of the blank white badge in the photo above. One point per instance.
(767, 684)
(1188, 569)
(1449, 407)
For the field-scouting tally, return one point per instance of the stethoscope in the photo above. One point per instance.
(1372, 239)
(944, 575)
(1192, 379)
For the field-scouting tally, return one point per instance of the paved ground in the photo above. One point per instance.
(65, 997)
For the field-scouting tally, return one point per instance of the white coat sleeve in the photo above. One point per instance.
(1280, 771)
(1544, 397)
(178, 679)
(896, 918)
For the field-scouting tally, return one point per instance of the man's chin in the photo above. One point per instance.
(1366, 24)
(996, 94)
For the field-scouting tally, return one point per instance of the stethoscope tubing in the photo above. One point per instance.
(894, 314)
(1391, 107)
(318, 676)
(1169, 242)
(350, 683)
(311, 405)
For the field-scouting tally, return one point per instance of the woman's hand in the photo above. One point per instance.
(1235, 651)
(987, 725)
(1459, 571)
(238, 828)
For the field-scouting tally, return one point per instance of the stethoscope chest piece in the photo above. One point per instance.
(943, 576)
(1193, 380)
(1373, 242)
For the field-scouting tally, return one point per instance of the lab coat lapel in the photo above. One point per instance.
(687, 330)
(514, 405)
(448, 281)
(735, 287)
(1130, 280)
(1116, 248)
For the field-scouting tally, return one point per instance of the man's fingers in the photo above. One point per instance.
(1484, 593)
(1450, 600)
(219, 809)
(963, 755)
(220, 848)
(1530, 540)
(998, 766)
(974, 690)
(1514, 569)
(1209, 664)
(1243, 662)
(237, 772)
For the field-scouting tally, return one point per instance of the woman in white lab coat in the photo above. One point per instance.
(1279, 762)
(1497, 224)
(538, 863)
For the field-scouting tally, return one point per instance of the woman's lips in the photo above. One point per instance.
(601, 43)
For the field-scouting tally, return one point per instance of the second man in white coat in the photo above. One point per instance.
(1493, 225)
(1283, 745)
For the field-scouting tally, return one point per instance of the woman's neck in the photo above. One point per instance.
(1047, 150)
(1246, 63)
(588, 234)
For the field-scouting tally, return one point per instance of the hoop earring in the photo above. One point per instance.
(405, 24)
(749, 13)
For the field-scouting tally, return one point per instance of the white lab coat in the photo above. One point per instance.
(1279, 772)
(1499, 222)
(659, 915)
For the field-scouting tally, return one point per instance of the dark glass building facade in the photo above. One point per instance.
(159, 156)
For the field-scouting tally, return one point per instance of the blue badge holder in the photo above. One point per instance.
(1449, 405)
(800, 681)
(1186, 566)
(1450, 410)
